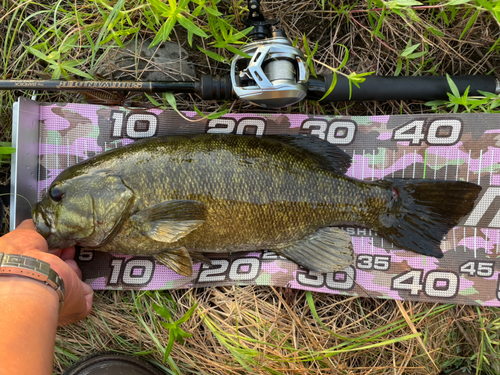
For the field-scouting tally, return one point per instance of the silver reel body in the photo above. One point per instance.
(275, 76)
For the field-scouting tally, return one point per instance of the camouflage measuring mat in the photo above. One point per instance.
(451, 147)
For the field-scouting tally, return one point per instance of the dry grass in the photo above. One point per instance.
(239, 330)
(265, 330)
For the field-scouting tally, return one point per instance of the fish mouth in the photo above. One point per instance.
(41, 220)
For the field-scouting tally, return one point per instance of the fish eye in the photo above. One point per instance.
(56, 194)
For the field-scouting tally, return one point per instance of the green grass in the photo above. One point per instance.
(260, 329)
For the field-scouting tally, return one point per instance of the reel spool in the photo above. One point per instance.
(274, 76)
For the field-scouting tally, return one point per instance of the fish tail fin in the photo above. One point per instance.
(422, 212)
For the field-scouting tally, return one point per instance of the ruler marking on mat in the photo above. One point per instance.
(447, 162)
(486, 244)
(383, 164)
(363, 166)
(468, 167)
(353, 173)
(435, 164)
(454, 240)
(354, 169)
(479, 169)
(57, 156)
(67, 152)
(465, 247)
(404, 163)
(77, 152)
(373, 165)
(414, 162)
(393, 162)
(491, 166)
(475, 243)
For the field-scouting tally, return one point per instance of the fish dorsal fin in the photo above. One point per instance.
(327, 250)
(177, 260)
(170, 221)
(328, 155)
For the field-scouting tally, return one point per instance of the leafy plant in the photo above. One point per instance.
(175, 13)
(353, 77)
(57, 60)
(116, 21)
(5, 151)
(175, 332)
(310, 55)
(408, 54)
(489, 102)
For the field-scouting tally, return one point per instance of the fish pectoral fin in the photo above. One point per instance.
(327, 250)
(177, 260)
(171, 231)
(170, 221)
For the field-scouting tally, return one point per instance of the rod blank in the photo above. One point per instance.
(398, 88)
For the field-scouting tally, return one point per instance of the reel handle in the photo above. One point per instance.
(398, 88)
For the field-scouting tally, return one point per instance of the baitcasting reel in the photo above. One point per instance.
(275, 75)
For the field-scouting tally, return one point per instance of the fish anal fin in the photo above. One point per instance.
(327, 250)
(177, 260)
(199, 257)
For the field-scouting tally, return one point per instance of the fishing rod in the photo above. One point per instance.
(276, 75)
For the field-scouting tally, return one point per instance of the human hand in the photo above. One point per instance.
(25, 240)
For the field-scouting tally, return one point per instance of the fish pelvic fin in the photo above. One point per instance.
(170, 221)
(177, 260)
(327, 250)
(422, 212)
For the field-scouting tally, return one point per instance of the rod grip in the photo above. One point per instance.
(398, 88)
(215, 87)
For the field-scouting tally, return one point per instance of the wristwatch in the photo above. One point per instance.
(21, 265)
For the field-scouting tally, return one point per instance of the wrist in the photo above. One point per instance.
(28, 324)
(18, 287)
(32, 268)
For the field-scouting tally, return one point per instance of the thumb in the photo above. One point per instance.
(27, 224)
(89, 296)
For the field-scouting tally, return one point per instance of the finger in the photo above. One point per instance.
(68, 253)
(72, 264)
(89, 296)
(27, 224)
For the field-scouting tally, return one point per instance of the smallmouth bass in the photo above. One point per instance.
(178, 197)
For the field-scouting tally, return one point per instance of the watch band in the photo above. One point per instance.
(21, 265)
